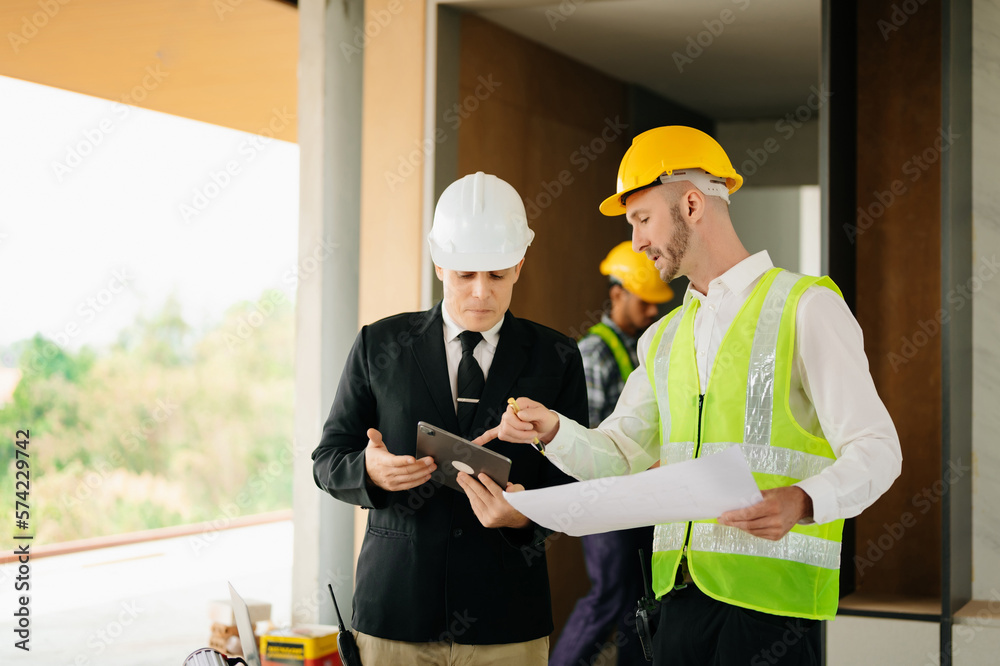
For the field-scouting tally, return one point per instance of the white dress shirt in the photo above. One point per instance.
(832, 395)
(483, 352)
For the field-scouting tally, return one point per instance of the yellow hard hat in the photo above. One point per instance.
(663, 150)
(637, 273)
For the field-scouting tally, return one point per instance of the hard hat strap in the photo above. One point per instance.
(625, 195)
(711, 186)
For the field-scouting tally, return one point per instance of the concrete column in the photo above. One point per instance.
(986, 296)
(330, 87)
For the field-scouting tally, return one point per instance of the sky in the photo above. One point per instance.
(108, 209)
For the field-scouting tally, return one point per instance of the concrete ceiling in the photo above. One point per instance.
(727, 59)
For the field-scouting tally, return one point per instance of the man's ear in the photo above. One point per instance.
(693, 204)
(439, 272)
(616, 293)
(517, 269)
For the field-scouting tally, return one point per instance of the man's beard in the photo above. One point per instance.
(678, 246)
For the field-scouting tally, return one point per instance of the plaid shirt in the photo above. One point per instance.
(604, 380)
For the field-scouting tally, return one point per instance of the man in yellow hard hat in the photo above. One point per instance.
(609, 353)
(444, 577)
(757, 357)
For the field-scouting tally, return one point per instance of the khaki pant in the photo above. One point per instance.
(383, 652)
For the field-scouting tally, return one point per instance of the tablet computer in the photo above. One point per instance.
(454, 454)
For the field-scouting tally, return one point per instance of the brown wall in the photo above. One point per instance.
(532, 130)
(898, 286)
(540, 124)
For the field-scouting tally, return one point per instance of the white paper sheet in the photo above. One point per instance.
(691, 490)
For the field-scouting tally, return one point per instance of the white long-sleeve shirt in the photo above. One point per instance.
(832, 395)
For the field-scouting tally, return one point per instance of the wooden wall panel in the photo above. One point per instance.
(227, 62)
(532, 130)
(392, 160)
(898, 285)
(538, 130)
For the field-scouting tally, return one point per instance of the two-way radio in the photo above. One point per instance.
(348, 649)
(645, 612)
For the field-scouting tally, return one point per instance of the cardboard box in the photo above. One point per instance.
(305, 645)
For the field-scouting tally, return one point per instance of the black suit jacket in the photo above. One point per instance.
(428, 569)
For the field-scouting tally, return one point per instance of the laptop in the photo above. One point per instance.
(251, 654)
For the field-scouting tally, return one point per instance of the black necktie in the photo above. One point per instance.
(470, 382)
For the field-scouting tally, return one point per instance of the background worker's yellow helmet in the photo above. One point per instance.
(664, 150)
(637, 273)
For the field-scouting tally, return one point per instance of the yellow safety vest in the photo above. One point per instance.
(617, 347)
(745, 403)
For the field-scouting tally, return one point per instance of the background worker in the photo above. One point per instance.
(757, 356)
(447, 578)
(612, 558)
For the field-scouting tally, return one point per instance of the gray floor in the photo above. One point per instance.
(143, 604)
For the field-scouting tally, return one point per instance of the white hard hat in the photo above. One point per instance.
(479, 225)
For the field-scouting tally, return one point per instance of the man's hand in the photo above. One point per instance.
(487, 501)
(772, 518)
(533, 419)
(392, 472)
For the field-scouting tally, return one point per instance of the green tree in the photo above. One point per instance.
(161, 429)
(44, 397)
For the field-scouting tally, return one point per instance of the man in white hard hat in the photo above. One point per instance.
(756, 356)
(447, 578)
(609, 352)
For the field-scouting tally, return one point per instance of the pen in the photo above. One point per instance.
(535, 442)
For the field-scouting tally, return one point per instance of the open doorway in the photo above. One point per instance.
(548, 96)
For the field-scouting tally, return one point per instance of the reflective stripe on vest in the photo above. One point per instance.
(762, 458)
(658, 369)
(746, 404)
(712, 537)
(614, 343)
